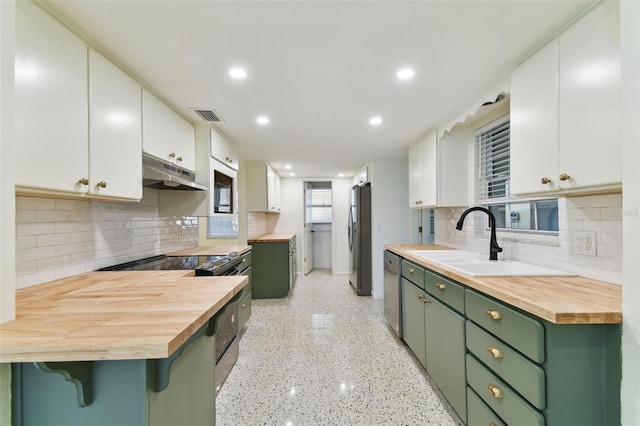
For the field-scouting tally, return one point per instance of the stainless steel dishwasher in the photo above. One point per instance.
(392, 297)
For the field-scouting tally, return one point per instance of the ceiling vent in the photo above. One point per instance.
(208, 115)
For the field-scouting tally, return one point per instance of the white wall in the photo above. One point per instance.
(57, 238)
(7, 222)
(630, 50)
(390, 213)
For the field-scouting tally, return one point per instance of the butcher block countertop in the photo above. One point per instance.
(112, 315)
(272, 238)
(560, 300)
(210, 251)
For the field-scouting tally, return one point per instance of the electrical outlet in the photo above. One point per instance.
(583, 243)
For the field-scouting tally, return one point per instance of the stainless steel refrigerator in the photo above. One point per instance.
(359, 230)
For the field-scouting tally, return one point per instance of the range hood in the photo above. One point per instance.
(160, 174)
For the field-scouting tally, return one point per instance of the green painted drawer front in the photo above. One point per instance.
(413, 330)
(445, 290)
(524, 376)
(512, 408)
(244, 310)
(479, 413)
(413, 273)
(520, 331)
(246, 260)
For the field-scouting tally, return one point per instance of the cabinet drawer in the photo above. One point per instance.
(246, 260)
(413, 273)
(445, 290)
(244, 310)
(520, 331)
(479, 413)
(524, 376)
(500, 397)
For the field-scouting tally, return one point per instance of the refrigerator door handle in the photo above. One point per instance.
(349, 231)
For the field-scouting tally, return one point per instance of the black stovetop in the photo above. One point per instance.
(164, 263)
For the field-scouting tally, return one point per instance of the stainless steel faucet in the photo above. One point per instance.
(494, 248)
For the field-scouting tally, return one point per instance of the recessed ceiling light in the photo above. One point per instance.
(238, 73)
(341, 175)
(263, 120)
(287, 166)
(375, 121)
(405, 74)
(292, 174)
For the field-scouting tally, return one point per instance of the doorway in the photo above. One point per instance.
(318, 226)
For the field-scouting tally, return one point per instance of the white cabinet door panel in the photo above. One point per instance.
(157, 135)
(590, 147)
(115, 131)
(414, 176)
(184, 143)
(534, 122)
(50, 103)
(429, 170)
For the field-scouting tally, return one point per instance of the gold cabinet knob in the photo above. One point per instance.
(411, 270)
(492, 424)
(84, 181)
(494, 352)
(172, 155)
(441, 286)
(102, 184)
(420, 297)
(493, 314)
(564, 177)
(495, 391)
(545, 180)
(179, 159)
(244, 305)
(244, 260)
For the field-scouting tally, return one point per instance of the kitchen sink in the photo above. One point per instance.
(477, 265)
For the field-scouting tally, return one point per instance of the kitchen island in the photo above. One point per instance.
(525, 350)
(274, 265)
(127, 347)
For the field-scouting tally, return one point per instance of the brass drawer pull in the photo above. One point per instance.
(244, 305)
(172, 155)
(411, 270)
(545, 180)
(564, 177)
(102, 184)
(84, 181)
(493, 314)
(441, 286)
(492, 424)
(179, 159)
(422, 299)
(497, 393)
(494, 352)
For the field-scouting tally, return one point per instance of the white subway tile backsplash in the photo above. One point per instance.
(600, 214)
(56, 238)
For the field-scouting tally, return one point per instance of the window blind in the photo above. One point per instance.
(493, 154)
(319, 210)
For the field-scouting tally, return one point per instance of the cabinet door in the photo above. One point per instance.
(223, 151)
(115, 131)
(233, 162)
(414, 176)
(590, 147)
(50, 103)
(184, 143)
(534, 122)
(273, 190)
(157, 130)
(413, 332)
(429, 170)
(445, 353)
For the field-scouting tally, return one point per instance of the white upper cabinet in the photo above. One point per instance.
(565, 112)
(165, 134)
(50, 104)
(223, 151)
(590, 146)
(78, 123)
(263, 187)
(115, 131)
(438, 171)
(534, 123)
(362, 177)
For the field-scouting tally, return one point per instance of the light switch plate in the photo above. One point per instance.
(583, 242)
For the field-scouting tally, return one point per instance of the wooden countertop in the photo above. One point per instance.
(112, 315)
(272, 238)
(210, 251)
(560, 300)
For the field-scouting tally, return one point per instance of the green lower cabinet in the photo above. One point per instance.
(479, 413)
(121, 392)
(445, 353)
(413, 325)
(270, 265)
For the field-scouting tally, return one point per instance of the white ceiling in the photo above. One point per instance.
(318, 69)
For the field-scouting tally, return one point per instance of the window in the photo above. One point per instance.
(494, 166)
(319, 204)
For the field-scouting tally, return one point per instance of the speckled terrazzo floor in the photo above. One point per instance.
(324, 356)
